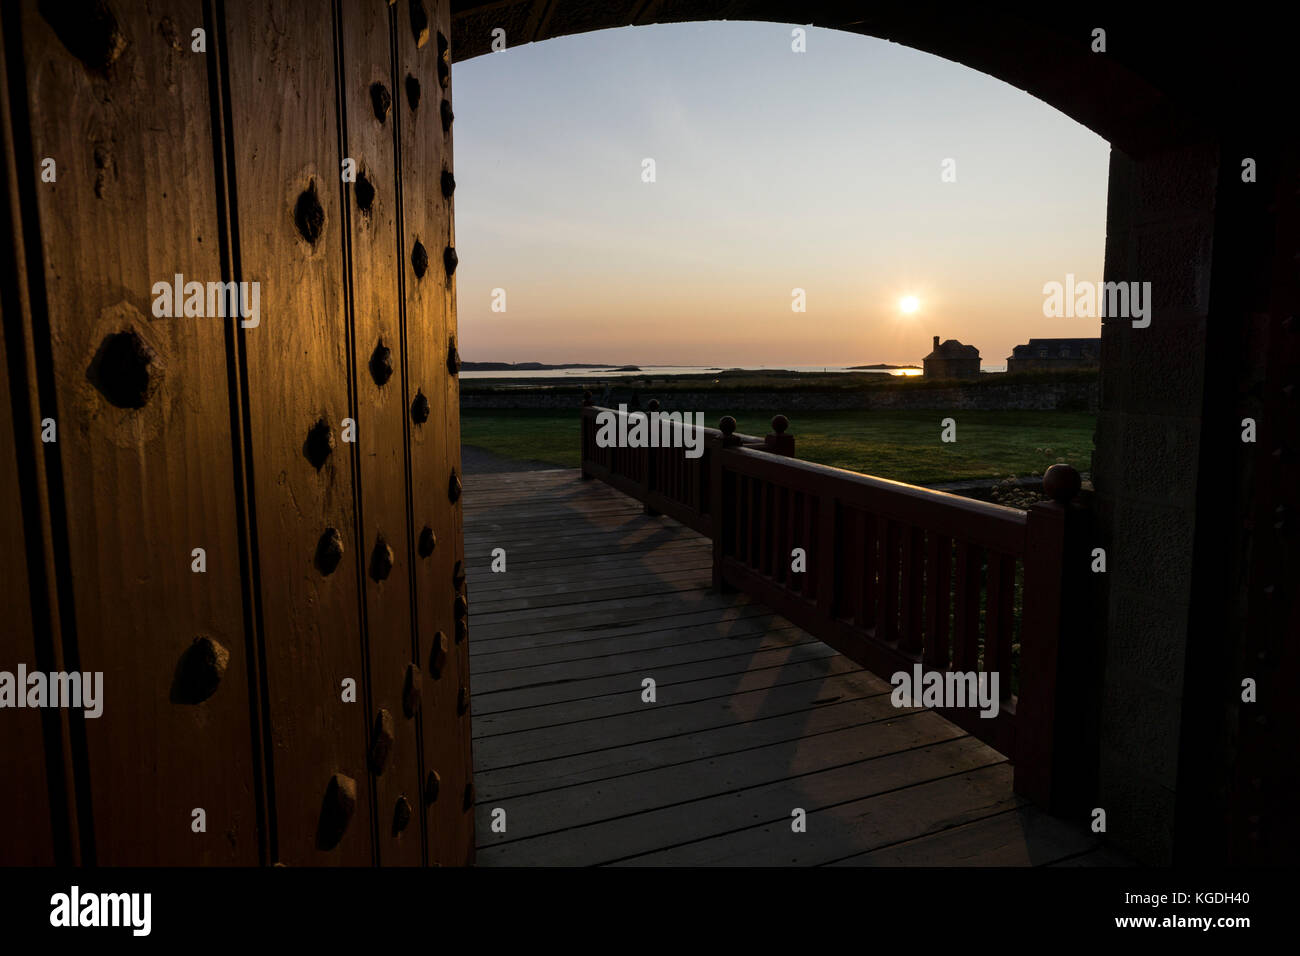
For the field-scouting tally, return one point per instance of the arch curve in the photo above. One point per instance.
(1159, 84)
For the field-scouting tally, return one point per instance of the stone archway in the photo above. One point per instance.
(1184, 605)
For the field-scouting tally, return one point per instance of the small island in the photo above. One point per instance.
(854, 368)
(527, 366)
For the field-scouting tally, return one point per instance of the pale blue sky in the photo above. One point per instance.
(775, 170)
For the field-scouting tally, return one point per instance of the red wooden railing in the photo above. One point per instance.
(895, 575)
(664, 478)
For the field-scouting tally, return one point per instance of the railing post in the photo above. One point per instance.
(720, 516)
(585, 436)
(779, 443)
(648, 473)
(822, 556)
(1050, 763)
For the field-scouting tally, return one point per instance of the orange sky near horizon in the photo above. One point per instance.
(761, 186)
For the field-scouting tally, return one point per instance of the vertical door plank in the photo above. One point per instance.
(425, 152)
(463, 845)
(30, 815)
(26, 835)
(144, 470)
(287, 177)
(382, 429)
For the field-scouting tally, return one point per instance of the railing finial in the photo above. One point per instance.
(1061, 483)
(727, 425)
(654, 405)
(779, 443)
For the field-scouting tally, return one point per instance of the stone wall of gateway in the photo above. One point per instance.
(1051, 396)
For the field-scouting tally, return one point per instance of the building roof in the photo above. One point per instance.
(1075, 347)
(952, 349)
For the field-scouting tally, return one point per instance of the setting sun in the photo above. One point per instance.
(909, 304)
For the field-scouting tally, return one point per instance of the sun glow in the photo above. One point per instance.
(908, 304)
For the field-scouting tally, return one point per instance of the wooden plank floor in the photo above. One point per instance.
(753, 717)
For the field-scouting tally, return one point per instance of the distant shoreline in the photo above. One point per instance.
(528, 366)
(610, 366)
(507, 367)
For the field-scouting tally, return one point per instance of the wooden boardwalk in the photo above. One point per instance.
(753, 717)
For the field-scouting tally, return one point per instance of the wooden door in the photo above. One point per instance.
(235, 522)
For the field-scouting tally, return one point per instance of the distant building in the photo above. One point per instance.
(952, 360)
(1050, 354)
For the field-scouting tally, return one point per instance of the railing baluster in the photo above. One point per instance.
(873, 572)
(811, 526)
(756, 524)
(998, 612)
(865, 569)
(755, 496)
(857, 564)
(719, 511)
(773, 528)
(913, 588)
(780, 569)
(780, 545)
(704, 483)
(938, 585)
(887, 562)
(800, 538)
(744, 489)
(828, 598)
(967, 624)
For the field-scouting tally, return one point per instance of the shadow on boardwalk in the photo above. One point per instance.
(753, 718)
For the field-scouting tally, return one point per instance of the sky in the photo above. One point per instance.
(773, 170)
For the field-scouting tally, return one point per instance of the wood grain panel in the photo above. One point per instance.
(425, 152)
(465, 840)
(26, 836)
(372, 206)
(122, 108)
(28, 811)
(286, 151)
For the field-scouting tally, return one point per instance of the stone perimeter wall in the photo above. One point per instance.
(1067, 396)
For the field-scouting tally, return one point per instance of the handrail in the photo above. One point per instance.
(999, 526)
(890, 574)
(591, 411)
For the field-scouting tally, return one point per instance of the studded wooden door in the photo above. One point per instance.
(230, 362)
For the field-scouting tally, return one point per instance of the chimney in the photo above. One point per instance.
(936, 343)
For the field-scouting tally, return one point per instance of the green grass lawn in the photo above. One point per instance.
(902, 445)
